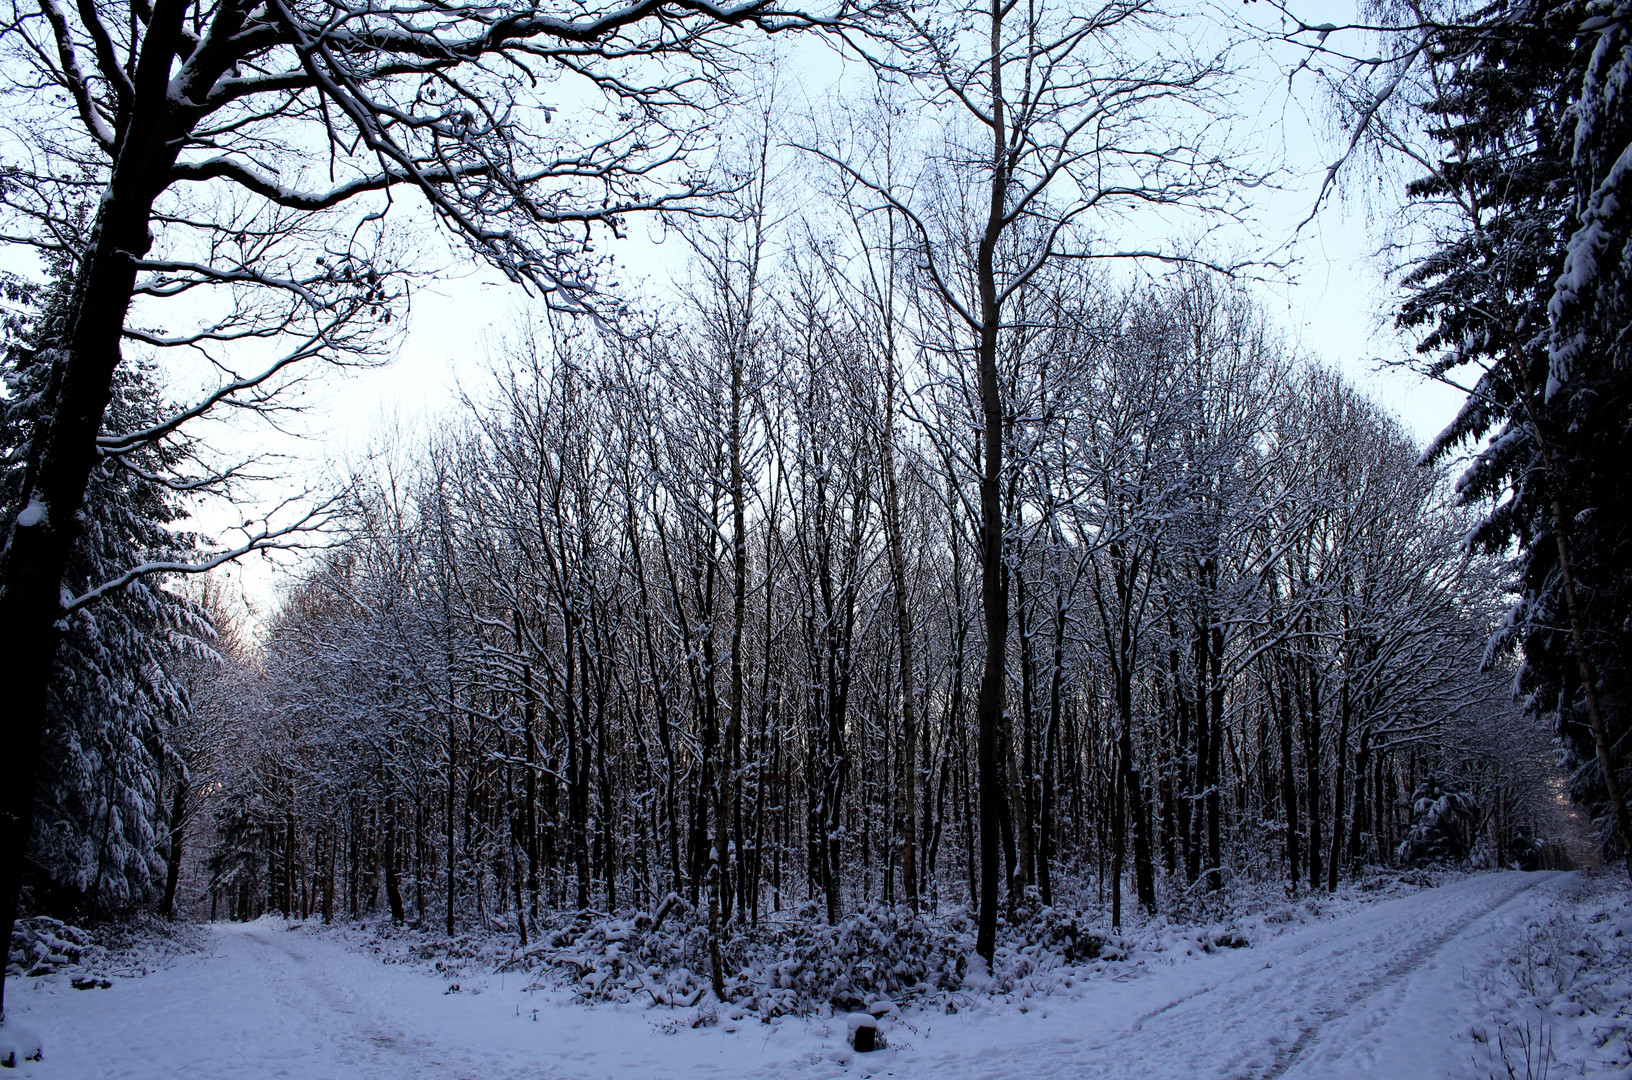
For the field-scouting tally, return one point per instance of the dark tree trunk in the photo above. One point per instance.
(1119, 842)
(906, 814)
(1311, 772)
(393, 876)
(1131, 786)
(1289, 785)
(1362, 811)
(177, 829)
(994, 583)
(1215, 776)
(1021, 752)
(453, 790)
(64, 452)
(1340, 788)
(1186, 767)
(1051, 739)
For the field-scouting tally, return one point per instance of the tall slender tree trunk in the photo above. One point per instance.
(1289, 784)
(393, 875)
(1021, 751)
(1215, 754)
(1340, 786)
(578, 761)
(453, 789)
(994, 586)
(1051, 739)
(1188, 765)
(907, 810)
(1362, 809)
(177, 830)
(1311, 772)
(529, 776)
(728, 771)
(1119, 833)
(1132, 795)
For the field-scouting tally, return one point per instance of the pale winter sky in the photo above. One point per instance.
(1335, 307)
(1332, 302)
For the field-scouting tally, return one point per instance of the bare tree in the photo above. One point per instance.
(253, 150)
(1052, 125)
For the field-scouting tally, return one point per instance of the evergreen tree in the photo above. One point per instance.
(1590, 388)
(98, 843)
(1442, 817)
(1508, 109)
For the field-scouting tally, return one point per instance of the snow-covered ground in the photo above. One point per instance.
(1397, 989)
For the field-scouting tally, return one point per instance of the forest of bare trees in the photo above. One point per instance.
(957, 532)
(635, 624)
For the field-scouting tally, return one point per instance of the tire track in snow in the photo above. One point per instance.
(1252, 1022)
(1370, 985)
(1389, 976)
(1372, 993)
(334, 1011)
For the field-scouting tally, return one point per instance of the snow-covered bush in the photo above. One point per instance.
(878, 960)
(42, 945)
(793, 962)
(136, 945)
(881, 951)
(1074, 937)
(1562, 1001)
(613, 958)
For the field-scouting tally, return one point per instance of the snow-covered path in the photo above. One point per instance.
(1389, 992)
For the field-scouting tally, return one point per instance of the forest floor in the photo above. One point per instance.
(1463, 980)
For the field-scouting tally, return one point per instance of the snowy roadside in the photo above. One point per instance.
(1393, 981)
(43, 946)
(877, 958)
(1561, 1002)
(47, 954)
